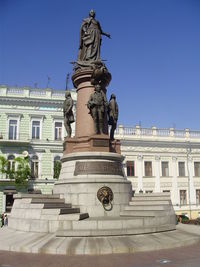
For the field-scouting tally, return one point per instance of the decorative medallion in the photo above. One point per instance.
(105, 196)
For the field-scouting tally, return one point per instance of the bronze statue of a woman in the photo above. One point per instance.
(90, 39)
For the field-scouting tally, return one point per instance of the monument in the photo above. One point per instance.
(92, 197)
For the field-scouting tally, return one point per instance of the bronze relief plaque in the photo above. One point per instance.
(101, 143)
(98, 167)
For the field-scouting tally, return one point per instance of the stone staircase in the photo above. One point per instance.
(146, 213)
(145, 205)
(42, 213)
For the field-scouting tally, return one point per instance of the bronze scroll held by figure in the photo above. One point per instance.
(68, 113)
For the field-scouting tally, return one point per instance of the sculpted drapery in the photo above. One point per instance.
(90, 39)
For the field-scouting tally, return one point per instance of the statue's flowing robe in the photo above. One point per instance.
(90, 40)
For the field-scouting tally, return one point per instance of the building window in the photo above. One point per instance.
(165, 168)
(57, 167)
(183, 197)
(197, 169)
(12, 130)
(148, 191)
(148, 168)
(181, 168)
(130, 168)
(35, 129)
(34, 167)
(11, 166)
(58, 130)
(198, 196)
(166, 191)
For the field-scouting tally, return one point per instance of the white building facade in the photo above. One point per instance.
(31, 122)
(164, 160)
(156, 160)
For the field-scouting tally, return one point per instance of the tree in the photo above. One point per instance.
(22, 172)
(57, 168)
(4, 166)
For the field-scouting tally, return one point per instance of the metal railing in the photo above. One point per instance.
(5, 136)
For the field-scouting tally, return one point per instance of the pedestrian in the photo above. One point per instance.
(6, 220)
(2, 219)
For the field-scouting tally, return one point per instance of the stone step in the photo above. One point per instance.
(165, 198)
(115, 232)
(64, 217)
(120, 223)
(73, 217)
(145, 207)
(69, 210)
(149, 202)
(136, 213)
(22, 195)
(152, 195)
(56, 205)
(47, 200)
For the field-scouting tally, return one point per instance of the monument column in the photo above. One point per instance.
(84, 121)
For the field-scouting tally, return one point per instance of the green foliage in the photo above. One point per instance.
(57, 168)
(21, 173)
(4, 167)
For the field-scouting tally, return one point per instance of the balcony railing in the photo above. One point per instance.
(138, 131)
(23, 137)
(4, 136)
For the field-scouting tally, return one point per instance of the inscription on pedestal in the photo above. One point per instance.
(98, 167)
(101, 143)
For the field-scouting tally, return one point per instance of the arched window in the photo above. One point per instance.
(34, 167)
(56, 167)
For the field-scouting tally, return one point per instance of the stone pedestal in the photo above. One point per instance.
(85, 138)
(83, 174)
(99, 143)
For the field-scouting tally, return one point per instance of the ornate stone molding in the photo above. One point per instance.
(139, 157)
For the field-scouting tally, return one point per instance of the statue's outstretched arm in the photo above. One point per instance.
(106, 34)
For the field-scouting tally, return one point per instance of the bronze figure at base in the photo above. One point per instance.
(97, 104)
(68, 113)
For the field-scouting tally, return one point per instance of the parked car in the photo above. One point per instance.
(183, 218)
(196, 221)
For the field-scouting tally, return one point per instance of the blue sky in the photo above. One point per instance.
(153, 56)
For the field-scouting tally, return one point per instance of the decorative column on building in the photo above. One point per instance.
(157, 173)
(140, 172)
(191, 189)
(175, 199)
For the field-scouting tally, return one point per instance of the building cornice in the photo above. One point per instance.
(25, 100)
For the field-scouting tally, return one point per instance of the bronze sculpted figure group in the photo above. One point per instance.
(98, 106)
(89, 57)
